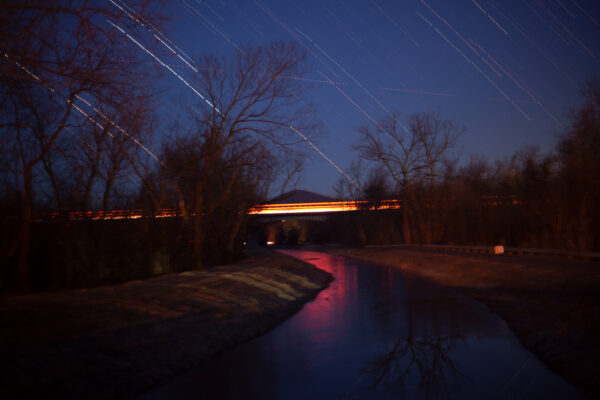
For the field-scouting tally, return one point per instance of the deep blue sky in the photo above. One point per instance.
(507, 70)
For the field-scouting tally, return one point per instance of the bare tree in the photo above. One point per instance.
(435, 136)
(347, 190)
(411, 155)
(59, 58)
(397, 150)
(579, 158)
(252, 106)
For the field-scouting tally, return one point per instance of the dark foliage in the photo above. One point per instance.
(76, 254)
(527, 200)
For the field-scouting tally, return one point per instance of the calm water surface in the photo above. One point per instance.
(376, 333)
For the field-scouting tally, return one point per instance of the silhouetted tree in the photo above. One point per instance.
(412, 155)
(375, 189)
(248, 134)
(352, 190)
(59, 57)
(579, 158)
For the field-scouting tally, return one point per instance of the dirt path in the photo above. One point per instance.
(551, 304)
(118, 341)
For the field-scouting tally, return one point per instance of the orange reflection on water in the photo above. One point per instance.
(326, 317)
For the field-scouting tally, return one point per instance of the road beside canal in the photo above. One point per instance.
(119, 341)
(551, 304)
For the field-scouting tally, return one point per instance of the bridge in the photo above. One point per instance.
(317, 208)
(299, 203)
(304, 205)
(291, 217)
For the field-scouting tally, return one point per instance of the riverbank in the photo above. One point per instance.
(119, 341)
(551, 304)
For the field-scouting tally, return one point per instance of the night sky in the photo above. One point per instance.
(506, 70)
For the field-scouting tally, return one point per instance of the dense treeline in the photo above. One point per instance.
(529, 199)
(81, 129)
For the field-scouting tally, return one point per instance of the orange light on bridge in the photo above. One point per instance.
(315, 208)
(263, 209)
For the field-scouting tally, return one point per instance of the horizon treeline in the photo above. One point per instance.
(528, 199)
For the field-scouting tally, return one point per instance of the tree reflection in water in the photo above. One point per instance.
(425, 357)
(421, 357)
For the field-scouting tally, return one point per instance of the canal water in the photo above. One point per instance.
(377, 333)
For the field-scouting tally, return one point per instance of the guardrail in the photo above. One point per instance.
(583, 255)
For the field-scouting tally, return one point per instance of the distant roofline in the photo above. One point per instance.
(300, 196)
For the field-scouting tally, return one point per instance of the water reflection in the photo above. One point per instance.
(426, 358)
(376, 334)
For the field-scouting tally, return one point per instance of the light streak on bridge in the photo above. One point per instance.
(281, 209)
(260, 209)
(104, 215)
(321, 207)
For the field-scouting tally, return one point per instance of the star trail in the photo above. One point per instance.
(508, 71)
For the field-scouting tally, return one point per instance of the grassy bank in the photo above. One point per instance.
(118, 341)
(551, 304)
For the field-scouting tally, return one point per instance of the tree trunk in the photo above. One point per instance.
(85, 201)
(235, 230)
(198, 231)
(54, 184)
(24, 233)
(424, 237)
(405, 224)
(110, 179)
